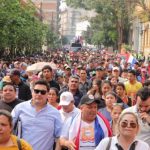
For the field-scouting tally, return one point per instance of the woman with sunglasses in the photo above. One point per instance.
(128, 128)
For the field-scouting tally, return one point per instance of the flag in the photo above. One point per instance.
(132, 60)
(102, 129)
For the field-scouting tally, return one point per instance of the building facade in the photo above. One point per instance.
(141, 31)
(73, 21)
(49, 12)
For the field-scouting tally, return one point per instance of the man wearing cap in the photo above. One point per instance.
(78, 70)
(100, 72)
(67, 70)
(116, 73)
(87, 128)
(17, 65)
(68, 108)
(22, 90)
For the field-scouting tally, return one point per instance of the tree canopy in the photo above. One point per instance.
(111, 26)
(21, 30)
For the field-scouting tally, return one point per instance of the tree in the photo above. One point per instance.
(22, 32)
(52, 40)
(113, 20)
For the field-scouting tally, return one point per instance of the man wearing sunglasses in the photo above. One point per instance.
(142, 110)
(41, 123)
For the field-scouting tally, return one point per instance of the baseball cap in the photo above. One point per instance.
(100, 68)
(67, 67)
(66, 98)
(79, 67)
(88, 99)
(116, 68)
(15, 72)
(16, 62)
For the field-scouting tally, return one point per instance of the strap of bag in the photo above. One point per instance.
(109, 143)
(19, 144)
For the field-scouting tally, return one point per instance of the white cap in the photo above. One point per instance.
(116, 68)
(66, 98)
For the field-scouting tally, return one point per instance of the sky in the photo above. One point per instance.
(63, 5)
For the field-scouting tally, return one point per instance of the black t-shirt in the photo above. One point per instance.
(9, 106)
(53, 83)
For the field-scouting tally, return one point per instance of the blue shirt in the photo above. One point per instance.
(38, 128)
(105, 113)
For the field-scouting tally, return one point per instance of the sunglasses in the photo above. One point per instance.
(42, 92)
(124, 124)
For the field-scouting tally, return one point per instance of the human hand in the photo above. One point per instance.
(70, 144)
(145, 117)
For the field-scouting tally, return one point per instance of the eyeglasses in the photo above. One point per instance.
(124, 124)
(42, 92)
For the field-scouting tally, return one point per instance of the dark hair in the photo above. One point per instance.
(10, 84)
(132, 72)
(55, 89)
(82, 68)
(47, 67)
(6, 114)
(146, 83)
(57, 93)
(106, 82)
(125, 70)
(112, 93)
(42, 82)
(98, 83)
(120, 84)
(143, 93)
(111, 77)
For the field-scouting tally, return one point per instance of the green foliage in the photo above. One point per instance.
(52, 39)
(21, 31)
(127, 47)
(111, 26)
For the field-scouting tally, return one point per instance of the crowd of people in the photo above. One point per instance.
(91, 100)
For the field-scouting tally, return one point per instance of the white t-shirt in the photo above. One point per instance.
(103, 144)
(87, 136)
(65, 115)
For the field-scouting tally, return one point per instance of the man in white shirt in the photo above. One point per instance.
(87, 128)
(68, 108)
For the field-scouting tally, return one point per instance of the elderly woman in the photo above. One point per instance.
(8, 141)
(128, 128)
